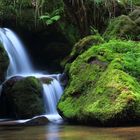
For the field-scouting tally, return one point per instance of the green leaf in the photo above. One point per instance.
(44, 17)
(55, 18)
(49, 22)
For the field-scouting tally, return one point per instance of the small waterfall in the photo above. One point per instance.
(20, 65)
(53, 94)
(19, 61)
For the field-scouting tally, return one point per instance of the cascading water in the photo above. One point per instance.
(20, 65)
(19, 62)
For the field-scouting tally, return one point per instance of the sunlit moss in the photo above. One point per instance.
(104, 85)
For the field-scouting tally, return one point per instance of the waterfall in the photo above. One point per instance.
(20, 65)
(19, 61)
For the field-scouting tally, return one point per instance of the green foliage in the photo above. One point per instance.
(51, 18)
(130, 2)
(104, 85)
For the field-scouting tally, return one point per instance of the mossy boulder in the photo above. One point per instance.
(126, 27)
(81, 46)
(4, 62)
(23, 98)
(104, 86)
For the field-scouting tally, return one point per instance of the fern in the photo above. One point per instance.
(51, 18)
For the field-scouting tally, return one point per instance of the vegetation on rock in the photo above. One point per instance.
(23, 99)
(104, 85)
(126, 27)
(81, 46)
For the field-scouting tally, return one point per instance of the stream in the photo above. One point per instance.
(68, 132)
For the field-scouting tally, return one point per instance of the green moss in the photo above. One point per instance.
(130, 2)
(25, 98)
(104, 85)
(4, 62)
(126, 27)
(81, 46)
(135, 14)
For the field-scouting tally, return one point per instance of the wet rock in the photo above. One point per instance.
(46, 80)
(63, 79)
(23, 98)
(39, 120)
(4, 62)
(8, 84)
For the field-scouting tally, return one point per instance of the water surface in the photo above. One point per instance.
(66, 132)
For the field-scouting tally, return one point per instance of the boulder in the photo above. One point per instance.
(124, 26)
(5, 88)
(39, 120)
(4, 62)
(104, 85)
(81, 46)
(22, 97)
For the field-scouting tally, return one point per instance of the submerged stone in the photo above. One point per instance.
(103, 86)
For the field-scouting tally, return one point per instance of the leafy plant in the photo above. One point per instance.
(50, 18)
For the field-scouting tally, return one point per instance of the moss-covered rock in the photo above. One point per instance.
(81, 46)
(4, 62)
(104, 85)
(23, 98)
(126, 27)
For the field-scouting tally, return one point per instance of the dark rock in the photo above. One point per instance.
(23, 98)
(46, 80)
(4, 62)
(39, 120)
(63, 79)
(5, 88)
(8, 84)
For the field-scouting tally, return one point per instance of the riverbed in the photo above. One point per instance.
(68, 132)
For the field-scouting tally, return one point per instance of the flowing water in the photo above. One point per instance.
(20, 65)
(19, 61)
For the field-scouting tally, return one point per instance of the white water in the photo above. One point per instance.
(19, 61)
(20, 65)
